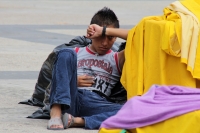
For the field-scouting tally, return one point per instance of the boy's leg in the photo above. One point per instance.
(94, 121)
(63, 92)
(95, 109)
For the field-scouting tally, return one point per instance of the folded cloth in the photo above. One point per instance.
(188, 41)
(158, 104)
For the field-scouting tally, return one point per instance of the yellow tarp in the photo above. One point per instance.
(153, 56)
(149, 49)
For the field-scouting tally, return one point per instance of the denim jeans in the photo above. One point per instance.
(92, 107)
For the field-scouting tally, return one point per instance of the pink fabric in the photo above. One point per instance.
(158, 104)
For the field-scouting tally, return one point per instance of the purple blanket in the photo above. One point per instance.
(158, 104)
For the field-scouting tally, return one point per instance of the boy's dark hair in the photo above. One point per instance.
(105, 17)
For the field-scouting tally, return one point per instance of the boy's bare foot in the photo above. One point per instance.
(55, 123)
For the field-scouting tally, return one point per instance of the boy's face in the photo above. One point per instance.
(101, 44)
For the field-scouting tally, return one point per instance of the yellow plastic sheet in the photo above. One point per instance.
(147, 62)
(153, 57)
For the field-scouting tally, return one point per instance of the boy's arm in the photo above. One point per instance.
(96, 31)
(121, 59)
(116, 32)
(85, 81)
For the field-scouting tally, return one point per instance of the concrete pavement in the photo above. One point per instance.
(30, 30)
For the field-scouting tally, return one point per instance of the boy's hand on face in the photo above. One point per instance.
(85, 81)
(93, 31)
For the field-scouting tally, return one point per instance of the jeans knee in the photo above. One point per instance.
(68, 54)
